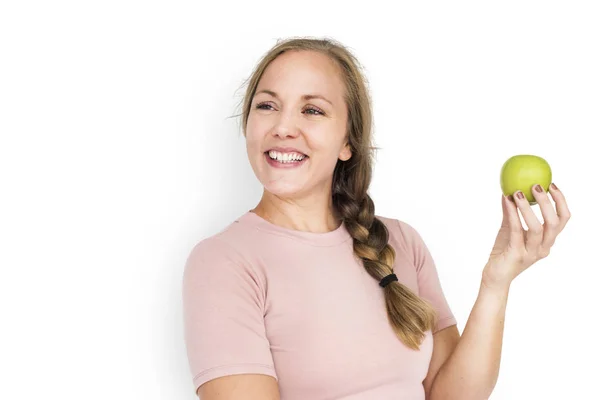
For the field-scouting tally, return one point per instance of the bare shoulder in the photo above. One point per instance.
(241, 386)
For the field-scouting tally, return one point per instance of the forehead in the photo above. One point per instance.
(296, 73)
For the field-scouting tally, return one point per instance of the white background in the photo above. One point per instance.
(117, 156)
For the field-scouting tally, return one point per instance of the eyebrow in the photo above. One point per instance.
(304, 97)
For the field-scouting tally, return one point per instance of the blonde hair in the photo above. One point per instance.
(409, 315)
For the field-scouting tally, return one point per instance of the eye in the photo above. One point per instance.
(262, 105)
(314, 110)
(318, 112)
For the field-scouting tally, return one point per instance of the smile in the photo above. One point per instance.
(285, 157)
(285, 160)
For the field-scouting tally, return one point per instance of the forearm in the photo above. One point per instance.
(471, 371)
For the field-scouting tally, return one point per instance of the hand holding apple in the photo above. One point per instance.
(515, 248)
(523, 171)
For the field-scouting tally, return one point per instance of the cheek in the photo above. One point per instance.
(252, 137)
(256, 128)
(327, 146)
(252, 149)
(251, 125)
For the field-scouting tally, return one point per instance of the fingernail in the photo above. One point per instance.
(539, 189)
(554, 186)
(520, 195)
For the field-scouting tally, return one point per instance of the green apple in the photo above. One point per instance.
(521, 172)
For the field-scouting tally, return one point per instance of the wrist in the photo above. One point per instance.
(494, 288)
(497, 277)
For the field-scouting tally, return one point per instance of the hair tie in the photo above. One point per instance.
(386, 281)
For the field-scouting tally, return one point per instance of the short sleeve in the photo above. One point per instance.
(429, 284)
(223, 315)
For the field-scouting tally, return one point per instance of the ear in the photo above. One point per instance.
(346, 153)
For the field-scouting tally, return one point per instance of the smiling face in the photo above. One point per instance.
(306, 135)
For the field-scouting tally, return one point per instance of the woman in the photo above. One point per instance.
(312, 296)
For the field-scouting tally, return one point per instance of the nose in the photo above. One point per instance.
(286, 126)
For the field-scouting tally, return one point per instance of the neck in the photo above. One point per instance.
(309, 215)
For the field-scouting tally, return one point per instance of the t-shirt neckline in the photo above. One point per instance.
(331, 238)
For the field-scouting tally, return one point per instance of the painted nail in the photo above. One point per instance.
(520, 195)
(539, 189)
(554, 186)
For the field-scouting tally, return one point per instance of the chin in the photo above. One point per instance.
(283, 189)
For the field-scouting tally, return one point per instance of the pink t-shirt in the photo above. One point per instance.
(298, 306)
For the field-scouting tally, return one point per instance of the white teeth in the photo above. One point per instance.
(285, 157)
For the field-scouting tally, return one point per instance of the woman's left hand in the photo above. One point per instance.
(517, 249)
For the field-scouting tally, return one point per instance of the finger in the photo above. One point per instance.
(551, 220)
(561, 206)
(534, 234)
(505, 215)
(511, 216)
